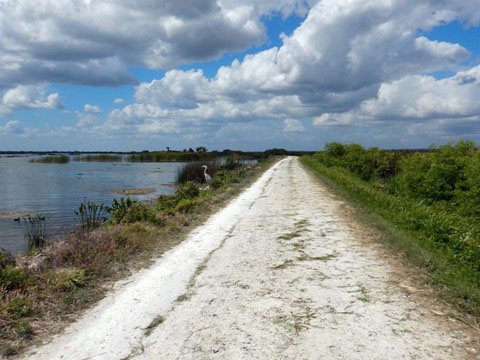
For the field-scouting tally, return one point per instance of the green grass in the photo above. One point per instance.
(56, 159)
(99, 158)
(443, 243)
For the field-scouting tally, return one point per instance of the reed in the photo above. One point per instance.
(193, 171)
(54, 159)
(91, 215)
(35, 231)
(99, 158)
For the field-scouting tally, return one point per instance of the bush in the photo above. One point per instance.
(24, 329)
(6, 258)
(185, 205)
(68, 279)
(188, 191)
(119, 209)
(12, 278)
(20, 307)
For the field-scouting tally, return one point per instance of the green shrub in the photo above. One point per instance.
(12, 278)
(189, 190)
(20, 307)
(6, 258)
(68, 279)
(119, 209)
(185, 205)
(24, 329)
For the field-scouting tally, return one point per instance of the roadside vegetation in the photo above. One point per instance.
(427, 205)
(53, 159)
(42, 290)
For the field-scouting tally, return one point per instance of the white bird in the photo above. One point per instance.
(208, 178)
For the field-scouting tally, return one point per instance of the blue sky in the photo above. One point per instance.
(293, 74)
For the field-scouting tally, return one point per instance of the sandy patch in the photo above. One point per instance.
(13, 215)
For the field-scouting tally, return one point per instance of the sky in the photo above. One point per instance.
(134, 75)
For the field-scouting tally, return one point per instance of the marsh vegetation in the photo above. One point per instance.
(53, 159)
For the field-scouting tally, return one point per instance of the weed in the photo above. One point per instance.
(9, 351)
(290, 236)
(24, 329)
(20, 307)
(91, 215)
(68, 279)
(35, 232)
(155, 322)
(12, 278)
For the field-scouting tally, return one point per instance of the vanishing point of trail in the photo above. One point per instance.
(277, 274)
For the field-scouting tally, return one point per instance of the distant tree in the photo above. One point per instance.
(184, 150)
(190, 150)
(168, 148)
(201, 149)
(276, 151)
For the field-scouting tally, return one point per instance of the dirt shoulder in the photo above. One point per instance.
(278, 273)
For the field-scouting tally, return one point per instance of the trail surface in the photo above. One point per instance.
(277, 274)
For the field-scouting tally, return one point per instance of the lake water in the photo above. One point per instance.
(56, 190)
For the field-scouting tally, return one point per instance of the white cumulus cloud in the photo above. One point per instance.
(92, 108)
(347, 55)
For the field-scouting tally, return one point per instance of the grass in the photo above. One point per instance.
(158, 320)
(54, 159)
(417, 231)
(75, 269)
(36, 232)
(99, 158)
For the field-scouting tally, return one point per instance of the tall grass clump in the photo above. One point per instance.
(54, 159)
(99, 158)
(91, 215)
(35, 232)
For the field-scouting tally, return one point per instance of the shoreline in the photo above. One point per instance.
(73, 286)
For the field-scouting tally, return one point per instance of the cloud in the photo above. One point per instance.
(95, 42)
(347, 55)
(293, 126)
(29, 97)
(118, 101)
(12, 127)
(416, 98)
(92, 108)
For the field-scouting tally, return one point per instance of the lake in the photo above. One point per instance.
(56, 190)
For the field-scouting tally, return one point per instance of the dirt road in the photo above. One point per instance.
(277, 274)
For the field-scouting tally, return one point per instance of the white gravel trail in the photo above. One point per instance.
(277, 274)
